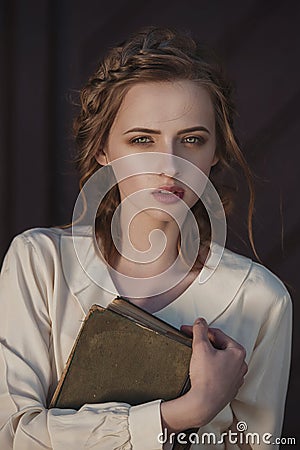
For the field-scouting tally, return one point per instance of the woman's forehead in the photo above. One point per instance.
(165, 104)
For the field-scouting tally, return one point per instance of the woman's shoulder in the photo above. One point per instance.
(259, 281)
(49, 246)
(38, 238)
(42, 237)
(43, 241)
(35, 247)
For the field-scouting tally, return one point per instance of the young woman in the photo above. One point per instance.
(155, 124)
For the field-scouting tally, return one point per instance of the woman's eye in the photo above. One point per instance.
(193, 140)
(141, 140)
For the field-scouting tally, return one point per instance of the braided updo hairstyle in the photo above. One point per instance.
(155, 55)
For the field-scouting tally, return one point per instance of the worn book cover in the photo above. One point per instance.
(124, 354)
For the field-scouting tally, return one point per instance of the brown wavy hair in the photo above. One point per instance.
(155, 55)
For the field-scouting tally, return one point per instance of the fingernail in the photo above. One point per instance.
(201, 321)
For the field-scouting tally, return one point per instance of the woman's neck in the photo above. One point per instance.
(148, 246)
(151, 277)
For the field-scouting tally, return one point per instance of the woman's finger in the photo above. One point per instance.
(187, 329)
(222, 341)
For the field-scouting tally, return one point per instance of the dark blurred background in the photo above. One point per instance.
(49, 48)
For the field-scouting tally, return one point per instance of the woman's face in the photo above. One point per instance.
(166, 118)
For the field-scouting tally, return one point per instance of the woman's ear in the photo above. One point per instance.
(101, 157)
(215, 160)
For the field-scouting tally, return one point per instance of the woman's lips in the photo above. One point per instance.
(168, 194)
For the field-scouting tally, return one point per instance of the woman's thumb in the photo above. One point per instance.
(200, 330)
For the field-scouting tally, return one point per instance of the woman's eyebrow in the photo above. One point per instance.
(143, 130)
(190, 130)
(148, 130)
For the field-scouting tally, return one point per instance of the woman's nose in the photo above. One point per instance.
(168, 161)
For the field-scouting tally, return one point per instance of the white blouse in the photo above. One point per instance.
(44, 296)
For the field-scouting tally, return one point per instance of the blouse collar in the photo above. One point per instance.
(90, 282)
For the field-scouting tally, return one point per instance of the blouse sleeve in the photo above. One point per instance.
(25, 376)
(260, 403)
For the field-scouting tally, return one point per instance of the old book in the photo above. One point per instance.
(124, 354)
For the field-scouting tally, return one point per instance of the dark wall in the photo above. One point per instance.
(48, 48)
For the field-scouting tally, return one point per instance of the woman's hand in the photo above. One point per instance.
(217, 371)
